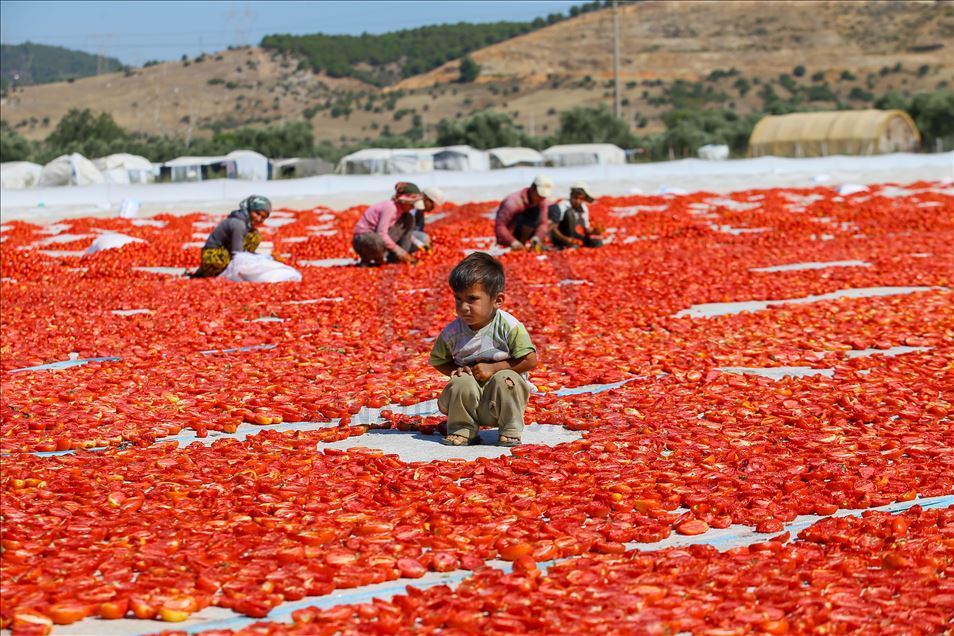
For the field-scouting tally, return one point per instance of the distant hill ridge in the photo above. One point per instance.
(386, 58)
(42, 64)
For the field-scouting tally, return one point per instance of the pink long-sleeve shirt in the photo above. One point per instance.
(380, 218)
(512, 207)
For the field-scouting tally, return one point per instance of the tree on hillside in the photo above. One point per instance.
(79, 126)
(13, 147)
(294, 139)
(687, 130)
(593, 125)
(934, 114)
(892, 100)
(83, 132)
(485, 129)
(469, 70)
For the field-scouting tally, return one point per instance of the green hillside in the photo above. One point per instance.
(389, 57)
(41, 64)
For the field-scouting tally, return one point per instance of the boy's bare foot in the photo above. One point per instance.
(460, 440)
(508, 442)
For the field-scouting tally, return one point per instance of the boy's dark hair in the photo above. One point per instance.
(479, 268)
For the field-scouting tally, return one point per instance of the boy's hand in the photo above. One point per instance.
(459, 371)
(483, 371)
(516, 245)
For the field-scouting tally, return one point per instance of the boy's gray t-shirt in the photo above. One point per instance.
(504, 337)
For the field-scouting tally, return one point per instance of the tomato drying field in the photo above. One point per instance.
(772, 366)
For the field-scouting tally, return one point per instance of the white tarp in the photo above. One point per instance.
(259, 268)
(510, 156)
(339, 191)
(74, 169)
(16, 175)
(462, 158)
(714, 152)
(125, 168)
(388, 161)
(249, 165)
(110, 241)
(568, 155)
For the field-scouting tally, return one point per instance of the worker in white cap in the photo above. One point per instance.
(521, 219)
(433, 199)
(570, 220)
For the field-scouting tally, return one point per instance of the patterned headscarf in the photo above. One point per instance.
(406, 192)
(256, 202)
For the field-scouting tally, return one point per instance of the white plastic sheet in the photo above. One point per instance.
(259, 268)
(714, 152)
(111, 240)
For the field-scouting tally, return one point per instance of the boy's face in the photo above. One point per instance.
(475, 306)
(577, 200)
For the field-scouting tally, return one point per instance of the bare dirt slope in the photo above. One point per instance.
(536, 76)
(688, 40)
(230, 88)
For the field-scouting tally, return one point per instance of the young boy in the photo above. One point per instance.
(567, 216)
(486, 353)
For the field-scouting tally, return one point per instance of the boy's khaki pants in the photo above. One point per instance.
(500, 402)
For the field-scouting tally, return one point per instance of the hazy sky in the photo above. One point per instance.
(136, 32)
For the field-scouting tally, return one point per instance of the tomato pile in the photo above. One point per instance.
(880, 574)
(140, 527)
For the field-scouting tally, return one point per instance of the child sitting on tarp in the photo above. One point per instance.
(570, 220)
(487, 354)
(238, 232)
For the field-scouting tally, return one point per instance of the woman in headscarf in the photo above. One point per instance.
(384, 233)
(238, 232)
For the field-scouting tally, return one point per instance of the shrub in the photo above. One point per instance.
(798, 71)
(820, 93)
(484, 129)
(742, 85)
(859, 94)
(593, 125)
(469, 70)
(847, 76)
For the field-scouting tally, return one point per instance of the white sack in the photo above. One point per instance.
(111, 240)
(259, 268)
(714, 152)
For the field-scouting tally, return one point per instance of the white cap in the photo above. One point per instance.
(436, 195)
(543, 185)
(584, 188)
